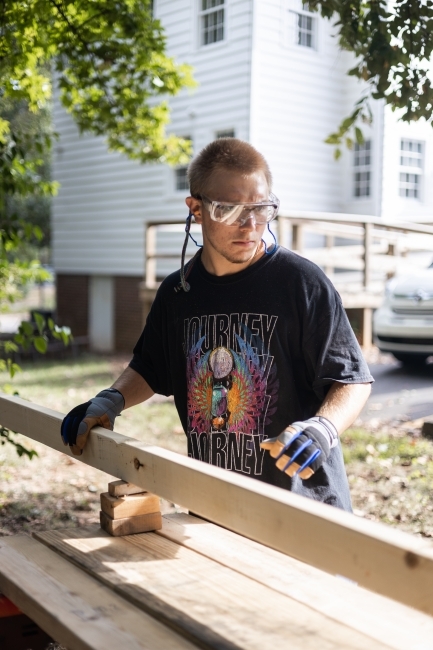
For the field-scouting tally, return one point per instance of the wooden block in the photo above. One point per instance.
(129, 506)
(130, 525)
(122, 488)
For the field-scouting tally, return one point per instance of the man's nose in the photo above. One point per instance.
(249, 222)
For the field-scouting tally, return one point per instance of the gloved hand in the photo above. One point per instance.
(100, 411)
(303, 447)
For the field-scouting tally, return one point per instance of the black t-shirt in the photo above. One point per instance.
(247, 354)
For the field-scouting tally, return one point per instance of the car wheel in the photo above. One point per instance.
(411, 358)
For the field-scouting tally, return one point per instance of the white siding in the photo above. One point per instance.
(104, 198)
(298, 100)
(393, 206)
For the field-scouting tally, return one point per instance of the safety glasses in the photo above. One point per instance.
(237, 214)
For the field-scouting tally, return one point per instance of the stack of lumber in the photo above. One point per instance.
(126, 509)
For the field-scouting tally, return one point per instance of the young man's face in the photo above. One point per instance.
(234, 244)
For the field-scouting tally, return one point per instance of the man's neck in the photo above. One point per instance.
(216, 264)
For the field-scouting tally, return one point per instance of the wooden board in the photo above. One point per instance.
(210, 603)
(130, 505)
(130, 525)
(72, 607)
(121, 488)
(385, 620)
(385, 560)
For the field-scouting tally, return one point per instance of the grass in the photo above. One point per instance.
(390, 470)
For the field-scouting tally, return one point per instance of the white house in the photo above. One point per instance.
(268, 71)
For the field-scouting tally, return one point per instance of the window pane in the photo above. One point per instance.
(182, 179)
(213, 27)
(228, 133)
(305, 30)
(410, 185)
(210, 4)
(362, 165)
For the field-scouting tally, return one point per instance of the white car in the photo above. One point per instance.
(403, 325)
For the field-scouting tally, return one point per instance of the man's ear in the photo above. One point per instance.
(194, 206)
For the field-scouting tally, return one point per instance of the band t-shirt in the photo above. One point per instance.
(247, 354)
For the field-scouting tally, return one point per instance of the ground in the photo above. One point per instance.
(389, 465)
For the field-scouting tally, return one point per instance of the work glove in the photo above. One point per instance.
(303, 447)
(101, 411)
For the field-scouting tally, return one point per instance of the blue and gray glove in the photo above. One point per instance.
(101, 411)
(303, 447)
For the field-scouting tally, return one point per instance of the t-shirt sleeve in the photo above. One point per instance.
(150, 356)
(331, 350)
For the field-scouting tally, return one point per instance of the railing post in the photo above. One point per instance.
(150, 277)
(297, 237)
(329, 246)
(368, 232)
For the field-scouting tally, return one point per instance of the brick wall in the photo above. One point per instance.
(128, 313)
(72, 294)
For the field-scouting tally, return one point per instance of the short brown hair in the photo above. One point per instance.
(225, 153)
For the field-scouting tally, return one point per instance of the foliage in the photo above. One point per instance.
(111, 68)
(29, 334)
(108, 58)
(393, 45)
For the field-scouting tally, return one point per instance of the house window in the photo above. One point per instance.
(410, 185)
(211, 21)
(411, 167)
(227, 133)
(306, 26)
(182, 179)
(362, 169)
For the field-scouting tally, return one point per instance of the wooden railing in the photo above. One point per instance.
(359, 253)
(378, 557)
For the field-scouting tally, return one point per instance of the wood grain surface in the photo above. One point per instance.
(212, 605)
(74, 608)
(383, 619)
(129, 505)
(378, 557)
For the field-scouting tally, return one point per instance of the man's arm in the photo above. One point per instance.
(102, 410)
(133, 387)
(343, 404)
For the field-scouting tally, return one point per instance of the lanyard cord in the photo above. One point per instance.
(183, 276)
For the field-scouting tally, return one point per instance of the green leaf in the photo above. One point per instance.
(40, 322)
(41, 344)
(359, 135)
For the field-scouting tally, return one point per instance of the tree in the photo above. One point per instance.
(392, 41)
(109, 62)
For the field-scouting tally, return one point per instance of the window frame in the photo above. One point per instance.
(361, 168)
(306, 13)
(223, 133)
(206, 12)
(416, 171)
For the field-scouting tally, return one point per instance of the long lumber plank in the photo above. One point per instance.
(75, 609)
(385, 560)
(214, 606)
(391, 623)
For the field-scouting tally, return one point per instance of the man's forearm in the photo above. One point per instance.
(343, 404)
(133, 387)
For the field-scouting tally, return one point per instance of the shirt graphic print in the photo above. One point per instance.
(232, 388)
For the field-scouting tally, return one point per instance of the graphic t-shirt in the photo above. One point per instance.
(247, 354)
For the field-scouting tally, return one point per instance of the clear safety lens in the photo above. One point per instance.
(238, 214)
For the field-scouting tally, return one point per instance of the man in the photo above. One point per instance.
(254, 344)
